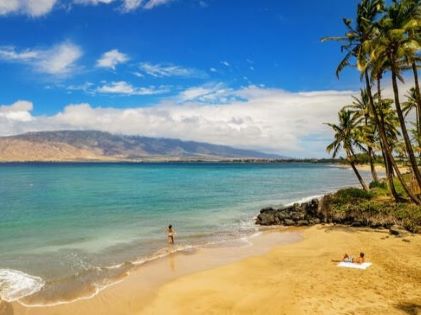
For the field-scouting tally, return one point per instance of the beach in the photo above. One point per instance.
(69, 230)
(294, 276)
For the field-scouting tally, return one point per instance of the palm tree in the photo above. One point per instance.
(412, 104)
(388, 49)
(413, 7)
(353, 44)
(390, 124)
(361, 107)
(345, 138)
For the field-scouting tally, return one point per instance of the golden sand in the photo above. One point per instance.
(297, 278)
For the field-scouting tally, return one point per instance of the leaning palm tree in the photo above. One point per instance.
(390, 124)
(411, 61)
(410, 105)
(361, 107)
(353, 43)
(391, 45)
(346, 139)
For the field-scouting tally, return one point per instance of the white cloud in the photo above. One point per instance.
(33, 8)
(9, 53)
(169, 70)
(87, 87)
(155, 3)
(37, 8)
(138, 74)
(111, 59)
(130, 5)
(259, 118)
(9, 6)
(124, 88)
(208, 94)
(126, 5)
(58, 60)
(20, 111)
(225, 63)
(93, 2)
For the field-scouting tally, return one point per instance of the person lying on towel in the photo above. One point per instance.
(359, 260)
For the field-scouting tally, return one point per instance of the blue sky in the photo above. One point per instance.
(120, 55)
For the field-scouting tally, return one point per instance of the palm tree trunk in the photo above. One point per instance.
(370, 152)
(372, 167)
(389, 176)
(418, 96)
(351, 159)
(408, 145)
(387, 163)
(383, 139)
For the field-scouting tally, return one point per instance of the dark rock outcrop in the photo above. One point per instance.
(307, 213)
(398, 231)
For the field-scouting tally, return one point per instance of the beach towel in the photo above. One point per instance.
(362, 266)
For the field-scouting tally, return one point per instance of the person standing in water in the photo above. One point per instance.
(171, 233)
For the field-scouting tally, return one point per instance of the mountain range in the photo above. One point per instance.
(71, 145)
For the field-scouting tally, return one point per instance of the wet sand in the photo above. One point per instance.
(132, 293)
(292, 278)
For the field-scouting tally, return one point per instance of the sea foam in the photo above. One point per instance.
(15, 284)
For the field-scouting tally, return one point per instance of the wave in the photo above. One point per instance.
(99, 278)
(15, 284)
(305, 199)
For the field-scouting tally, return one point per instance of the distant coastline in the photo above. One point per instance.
(333, 162)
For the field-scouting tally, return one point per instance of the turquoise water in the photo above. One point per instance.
(68, 227)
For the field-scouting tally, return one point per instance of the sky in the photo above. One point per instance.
(251, 74)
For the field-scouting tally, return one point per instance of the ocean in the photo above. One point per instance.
(68, 230)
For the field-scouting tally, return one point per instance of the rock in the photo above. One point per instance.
(268, 209)
(266, 218)
(306, 213)
(289, 222)
(314, 221)
(298, 215)
(356, 224)
(397, 230)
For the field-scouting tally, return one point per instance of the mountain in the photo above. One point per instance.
(103, 146)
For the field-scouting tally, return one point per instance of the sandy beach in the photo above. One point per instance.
(296, 276)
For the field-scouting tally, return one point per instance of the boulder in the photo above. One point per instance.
(398, 230)
(289, 222)
(266, 218)
(306, 213)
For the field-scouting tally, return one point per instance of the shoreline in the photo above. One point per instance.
(153, 274)
(272, 276)
(301, 278)
(157, 265)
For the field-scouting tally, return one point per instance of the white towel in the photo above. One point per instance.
(362, 266)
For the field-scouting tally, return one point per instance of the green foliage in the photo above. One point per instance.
(351, 194)
(376, 184)
(363, 206)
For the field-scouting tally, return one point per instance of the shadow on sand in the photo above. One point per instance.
(409, 308)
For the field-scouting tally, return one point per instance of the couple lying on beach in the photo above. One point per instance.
(359, 260)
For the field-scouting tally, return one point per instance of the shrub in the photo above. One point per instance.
(350, 194)
(377, 184)
(358, 205)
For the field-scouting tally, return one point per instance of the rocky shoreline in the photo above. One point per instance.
(315, 212)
